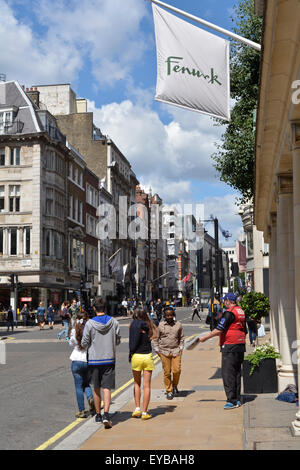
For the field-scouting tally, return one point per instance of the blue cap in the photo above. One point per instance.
(230, 296)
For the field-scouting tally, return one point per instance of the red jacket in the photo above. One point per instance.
(235, 334)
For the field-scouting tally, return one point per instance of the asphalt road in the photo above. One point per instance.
(37, 389)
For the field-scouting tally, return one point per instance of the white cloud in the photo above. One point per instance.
(175, 152)
(106, 33)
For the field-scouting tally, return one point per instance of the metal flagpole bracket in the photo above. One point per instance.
(252, 44)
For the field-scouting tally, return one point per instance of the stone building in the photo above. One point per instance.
(105, 159)
(277, 179)
(34, 201)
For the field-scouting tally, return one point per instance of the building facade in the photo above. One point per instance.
(277, 196)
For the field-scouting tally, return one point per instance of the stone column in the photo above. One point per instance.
(285, 269)
(296, 179)
(274, 285)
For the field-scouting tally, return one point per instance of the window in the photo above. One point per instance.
(49, 201)
(70, 170)
(2, 193)
(48, 243)
(2, 157)
(81, 179)
(5, 121)
(1, 241)
(27, 241)
(71, 207)
(13, 241)
(80, 212)
(15, 156)
(14, 198)
(75, 209)
(76, 175)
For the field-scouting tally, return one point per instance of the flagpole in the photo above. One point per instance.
(252, 44)
(109, 259)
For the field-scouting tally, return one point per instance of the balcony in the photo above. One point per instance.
(11, 127)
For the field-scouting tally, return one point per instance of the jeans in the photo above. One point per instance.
(10, 323)
(65, 331)
(252, 331)
(80, 374)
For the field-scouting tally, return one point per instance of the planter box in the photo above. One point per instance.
(263, 379)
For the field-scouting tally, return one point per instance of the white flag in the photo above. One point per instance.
(115, 263)
(192, 66)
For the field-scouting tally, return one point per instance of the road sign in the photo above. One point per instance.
(26, 299)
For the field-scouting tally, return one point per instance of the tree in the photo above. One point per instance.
(235, 157)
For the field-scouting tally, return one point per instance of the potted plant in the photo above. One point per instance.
(259, 370)
(256, 306)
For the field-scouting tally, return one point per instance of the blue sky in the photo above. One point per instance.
(106, 50)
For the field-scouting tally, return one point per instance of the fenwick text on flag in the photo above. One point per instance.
(192, 66)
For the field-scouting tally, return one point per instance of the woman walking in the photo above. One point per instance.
(51, 316)
(142, 331)
(80, 367)
(40, 313)
(66, 318)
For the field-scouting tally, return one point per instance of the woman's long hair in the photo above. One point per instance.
(81, 320)
(141, 314)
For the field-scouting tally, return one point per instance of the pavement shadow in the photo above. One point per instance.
(217, 374)
(12, 333)
(248, 398)
(122, 416)
(209, 400)
(184, 393)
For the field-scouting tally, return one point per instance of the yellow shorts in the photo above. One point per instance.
(141, 362)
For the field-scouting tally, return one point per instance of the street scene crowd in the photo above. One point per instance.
(94, 336)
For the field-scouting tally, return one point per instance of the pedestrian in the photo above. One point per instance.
(10, 318)
(196, 311)
(159, 309)
(141, 332)
(66, 320)
(169, 346)
(124, 307)
(50, 314)
(73, 311)
(252, 327)
(25, 314)
(101, 335)
(80, 368)
(40, 313)
(232, 331)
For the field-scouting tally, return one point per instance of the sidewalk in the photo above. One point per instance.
(196, 420)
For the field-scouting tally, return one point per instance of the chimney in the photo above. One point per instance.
(34, 95)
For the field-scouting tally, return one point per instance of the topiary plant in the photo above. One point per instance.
(256, 305)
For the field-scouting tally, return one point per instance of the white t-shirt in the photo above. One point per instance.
(77, 354)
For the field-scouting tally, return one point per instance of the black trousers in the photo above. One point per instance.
(195, 312)
(231, 375)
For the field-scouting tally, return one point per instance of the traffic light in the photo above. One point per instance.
(81, 282)
(19, 286)
(12, 281)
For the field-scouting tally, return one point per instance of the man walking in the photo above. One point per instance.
(101, 335)
(169, 346)
(158, 309)
(74, 310)
(10, 318)
(232, 331)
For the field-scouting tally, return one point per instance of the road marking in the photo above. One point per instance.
(71, 426)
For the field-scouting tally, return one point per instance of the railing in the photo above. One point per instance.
(14, 127)
(56, 134)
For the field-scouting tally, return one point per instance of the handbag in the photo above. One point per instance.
(208, 320)
(261, 331)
